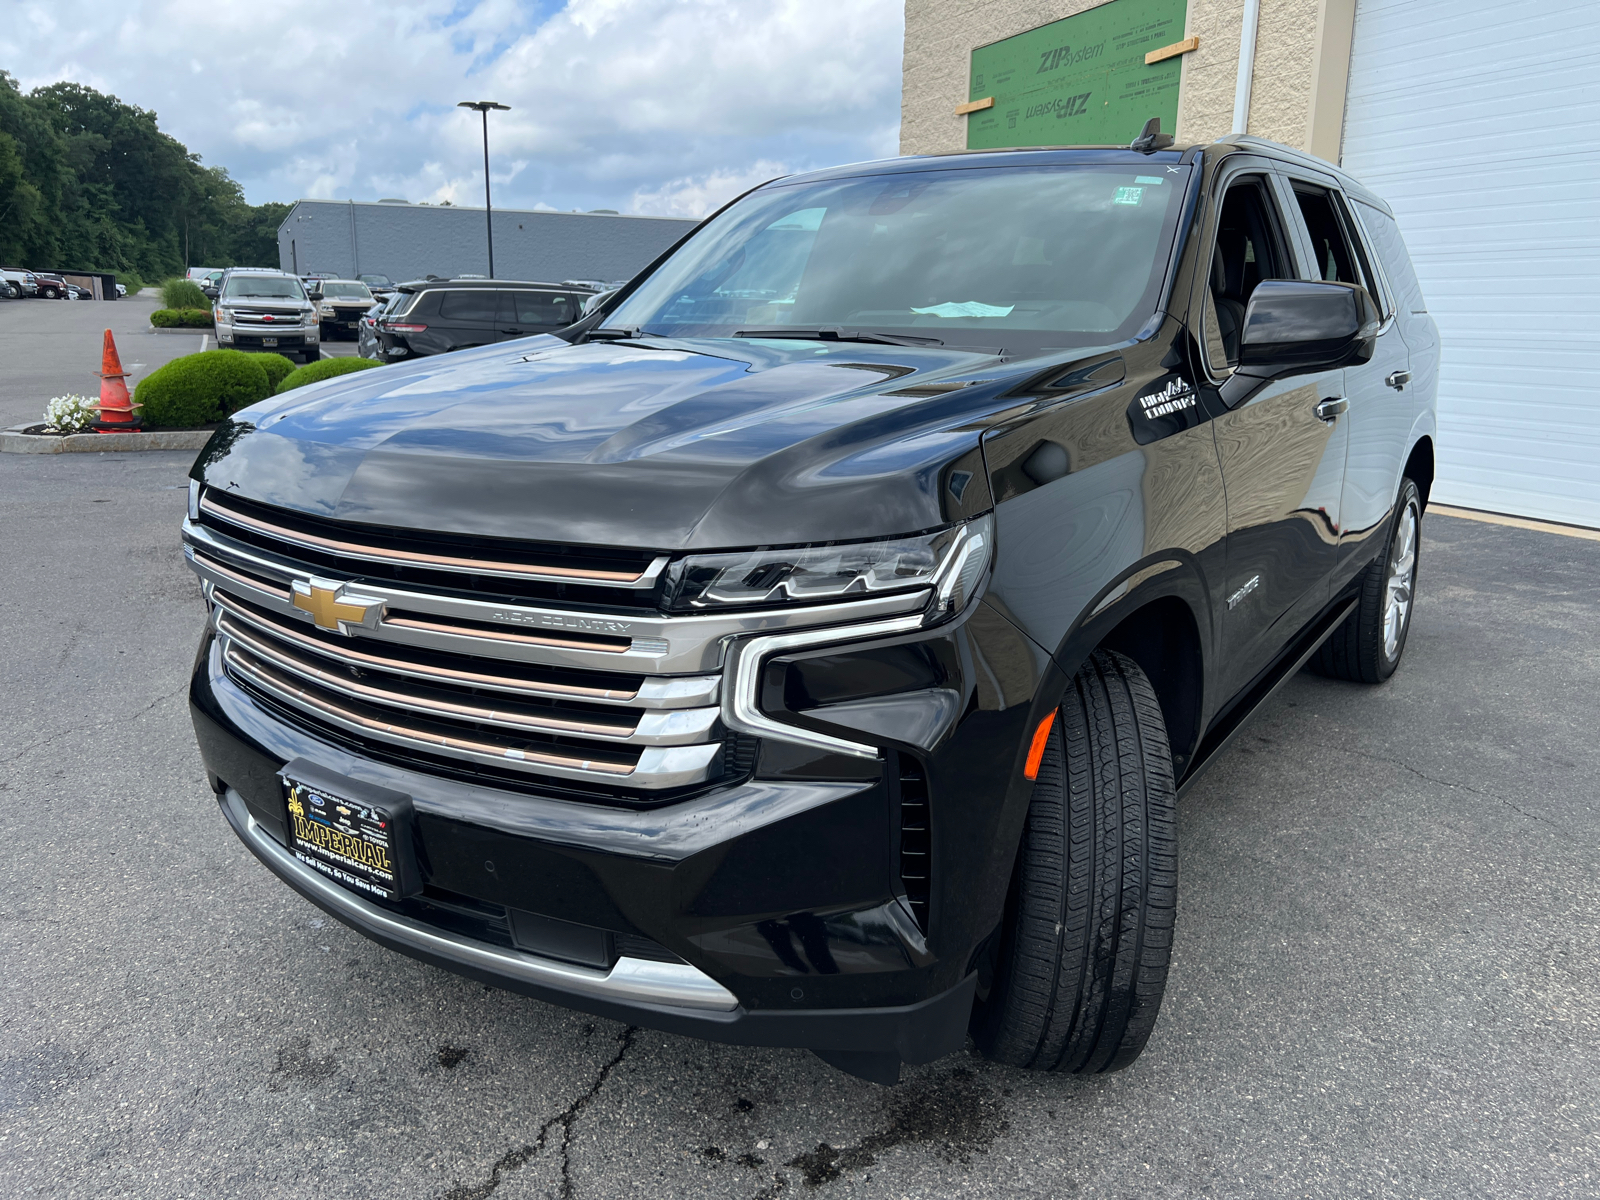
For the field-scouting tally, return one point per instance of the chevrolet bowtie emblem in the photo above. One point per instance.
(321, 598)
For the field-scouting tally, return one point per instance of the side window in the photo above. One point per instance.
(1334, 261)
(546, 308)
(469, 307)
(1386, 240)
(1249, 248)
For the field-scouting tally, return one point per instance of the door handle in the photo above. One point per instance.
(1329, 410)
(1398, 380)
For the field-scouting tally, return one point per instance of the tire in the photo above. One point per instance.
(50, 293)
(1367, 647)
(311, 356)
(1082, 962)
(15, 290)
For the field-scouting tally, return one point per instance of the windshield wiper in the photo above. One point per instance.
(615, 335)
(833, 333)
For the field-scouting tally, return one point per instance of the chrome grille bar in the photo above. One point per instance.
(647, 729)
(543, 572)
(656, 767)
(671, 692)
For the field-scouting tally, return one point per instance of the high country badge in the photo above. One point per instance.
(1175, 397)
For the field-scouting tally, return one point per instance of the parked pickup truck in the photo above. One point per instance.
(808, 647)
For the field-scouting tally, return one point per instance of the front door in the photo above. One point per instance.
(1282, 452)
(1380, 414)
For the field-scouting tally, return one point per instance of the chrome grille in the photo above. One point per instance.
(612, 700)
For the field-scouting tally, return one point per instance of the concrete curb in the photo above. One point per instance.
(14, 441)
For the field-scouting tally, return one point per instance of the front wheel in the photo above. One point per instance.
(1082, 962)
(1367, 647)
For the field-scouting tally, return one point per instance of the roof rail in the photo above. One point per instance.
(1300, 156)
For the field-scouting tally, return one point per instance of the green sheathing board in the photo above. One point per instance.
(1081, 80)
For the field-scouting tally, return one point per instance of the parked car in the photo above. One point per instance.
(341, 303)
(367, 344)
(807, 648)
(381, 285)
(455, 314)
(266, 310)
(197, 274)
(49, 287)
(122, 290)
(18, 282)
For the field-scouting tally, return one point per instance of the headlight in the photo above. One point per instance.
(951, 560)
(327, 310)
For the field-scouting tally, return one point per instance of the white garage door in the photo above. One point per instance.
(1479, 122)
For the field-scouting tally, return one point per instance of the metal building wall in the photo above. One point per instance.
(1479, 121)
(410, 241)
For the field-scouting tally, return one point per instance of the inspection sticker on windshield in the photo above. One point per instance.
(1155, 179)
(967, 308)
(1128, 195)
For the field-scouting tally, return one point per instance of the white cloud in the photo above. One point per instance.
(664, 106)
(695, 197)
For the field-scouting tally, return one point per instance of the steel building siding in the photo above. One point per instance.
(1479, 122)
(410, 241)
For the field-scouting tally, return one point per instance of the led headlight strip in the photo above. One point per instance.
(739, 708)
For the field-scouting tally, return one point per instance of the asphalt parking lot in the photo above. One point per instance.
(53, 346)
(1386, 979)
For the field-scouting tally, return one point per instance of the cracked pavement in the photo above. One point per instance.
(1385, 978)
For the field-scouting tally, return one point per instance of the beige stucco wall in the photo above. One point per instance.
(1294, 38)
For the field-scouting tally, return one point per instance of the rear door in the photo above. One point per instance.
(468, 317)
(1282, 463)
(533, 312)
(1380, 413)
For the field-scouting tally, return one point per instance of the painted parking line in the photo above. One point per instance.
(1489, 518)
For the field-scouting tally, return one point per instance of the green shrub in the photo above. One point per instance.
(327, 368)
(181, 318)
(199, 388)
(277, 368)
(183, 293)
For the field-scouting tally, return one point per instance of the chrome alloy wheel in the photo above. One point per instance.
(1400, 586)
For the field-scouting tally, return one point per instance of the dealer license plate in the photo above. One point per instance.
(269, 341)
(345, 840)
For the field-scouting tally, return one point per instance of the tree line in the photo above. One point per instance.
(89, 182)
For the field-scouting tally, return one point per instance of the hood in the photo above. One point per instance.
(666, 445)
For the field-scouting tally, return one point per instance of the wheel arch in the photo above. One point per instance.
(1159, 615)
(1420, 467)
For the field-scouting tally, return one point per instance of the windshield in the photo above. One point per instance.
(376, 280)
(347, 291)
(265, 287)
(1026, 259)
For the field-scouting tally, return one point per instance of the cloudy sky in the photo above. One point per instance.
(650, 106)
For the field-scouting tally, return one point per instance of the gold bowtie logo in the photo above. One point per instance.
(321, 599)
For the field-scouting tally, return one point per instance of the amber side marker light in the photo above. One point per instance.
(1041, 735)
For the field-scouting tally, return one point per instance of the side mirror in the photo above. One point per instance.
(1292, 327)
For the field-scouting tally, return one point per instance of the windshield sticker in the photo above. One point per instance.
(968, 308)
(1156, 179)
(1128, 195)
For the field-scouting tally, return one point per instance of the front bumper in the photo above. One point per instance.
(256, 337)
(775, 893)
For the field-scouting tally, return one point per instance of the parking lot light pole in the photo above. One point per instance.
(483, 106)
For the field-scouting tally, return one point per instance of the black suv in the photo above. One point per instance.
(457, 314)
(808, 647)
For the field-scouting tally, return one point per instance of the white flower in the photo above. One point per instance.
(71, 414)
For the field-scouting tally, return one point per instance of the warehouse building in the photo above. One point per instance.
(1477, 120)
(411, 241)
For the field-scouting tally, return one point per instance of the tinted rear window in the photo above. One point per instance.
(474, 307)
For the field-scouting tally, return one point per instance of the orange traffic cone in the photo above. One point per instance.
(116, 406)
